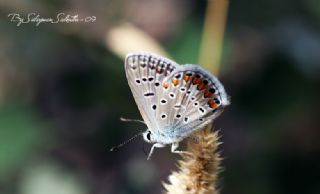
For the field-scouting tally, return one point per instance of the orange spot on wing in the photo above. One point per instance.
(175, 82)
(212, 104)
(187, 78)
(207, 94)
(202, 86)
(165, 85)
(196, 80)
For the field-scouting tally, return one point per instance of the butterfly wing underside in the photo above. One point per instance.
(174, 100)
(145, 73)
(199, 99)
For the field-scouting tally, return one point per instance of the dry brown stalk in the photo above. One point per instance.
(197, 173)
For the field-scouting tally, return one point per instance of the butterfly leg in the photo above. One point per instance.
(174, 149)
(156, 145)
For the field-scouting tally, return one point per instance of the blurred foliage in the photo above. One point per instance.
(47, 177)
(21, 133)
(185, 47)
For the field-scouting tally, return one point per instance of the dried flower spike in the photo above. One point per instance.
(197, 173)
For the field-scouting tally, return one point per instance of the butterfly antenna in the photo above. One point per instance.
(131, 120)
(125, 142)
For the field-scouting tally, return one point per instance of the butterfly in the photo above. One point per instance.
(174, 100)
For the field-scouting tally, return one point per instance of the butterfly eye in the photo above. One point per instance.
(149, 135)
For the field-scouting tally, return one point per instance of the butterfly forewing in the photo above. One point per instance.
(145, 73)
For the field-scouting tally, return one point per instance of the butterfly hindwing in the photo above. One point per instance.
(200, 98)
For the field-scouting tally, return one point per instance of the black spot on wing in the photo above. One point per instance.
(148, 94)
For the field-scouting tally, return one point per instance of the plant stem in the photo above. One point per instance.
(212, 38)
(198, 173)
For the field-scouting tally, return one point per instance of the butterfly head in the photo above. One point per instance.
(148, 136)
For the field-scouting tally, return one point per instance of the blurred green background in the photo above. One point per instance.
(63, 89)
